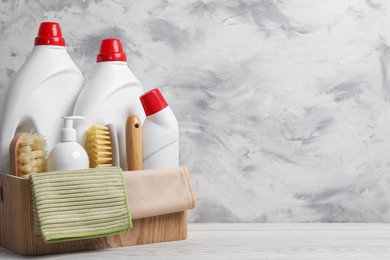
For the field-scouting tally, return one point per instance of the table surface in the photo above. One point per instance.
(257, 241)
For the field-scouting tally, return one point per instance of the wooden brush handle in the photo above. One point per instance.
(14, 153)
(134, 143)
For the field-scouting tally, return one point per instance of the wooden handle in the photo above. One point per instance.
(134, 143)
(14, 153)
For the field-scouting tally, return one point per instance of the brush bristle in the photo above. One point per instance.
(32, 156)
(98, 146)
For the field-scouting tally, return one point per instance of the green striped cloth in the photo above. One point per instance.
(82, 204)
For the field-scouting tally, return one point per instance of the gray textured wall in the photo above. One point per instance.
(283, 106)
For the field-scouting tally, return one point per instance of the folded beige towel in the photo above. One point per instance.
(158, 192)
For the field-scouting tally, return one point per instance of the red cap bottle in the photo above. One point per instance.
(111, 50)
(153, 102)
(49, 33)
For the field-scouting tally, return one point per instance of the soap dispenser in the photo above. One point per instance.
(68, 154)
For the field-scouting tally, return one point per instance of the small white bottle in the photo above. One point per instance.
(160, 133)
(68, 154)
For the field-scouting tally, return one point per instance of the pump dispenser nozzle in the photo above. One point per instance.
(68, 133)
(68, 154)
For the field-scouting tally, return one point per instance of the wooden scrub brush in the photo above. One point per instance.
(28, 154)
(134, 143)
(102, 146)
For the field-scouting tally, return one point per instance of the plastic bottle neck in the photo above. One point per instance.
(52, 47)
(164, 117)
(112, 63)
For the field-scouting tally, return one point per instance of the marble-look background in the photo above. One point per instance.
(283, 106)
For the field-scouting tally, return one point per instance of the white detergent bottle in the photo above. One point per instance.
(110, 95)
(44, 89)
(68, 154)
(160, 133)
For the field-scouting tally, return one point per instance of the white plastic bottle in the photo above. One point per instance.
(160, 133)
(44, 89)
(110, 95)
(68, 154)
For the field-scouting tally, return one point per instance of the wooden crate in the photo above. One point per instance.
(16, 225)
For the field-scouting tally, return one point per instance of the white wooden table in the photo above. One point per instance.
(257, 241)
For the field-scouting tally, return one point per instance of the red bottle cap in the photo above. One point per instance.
(111, 50)
(49, 33)
(153, 102)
